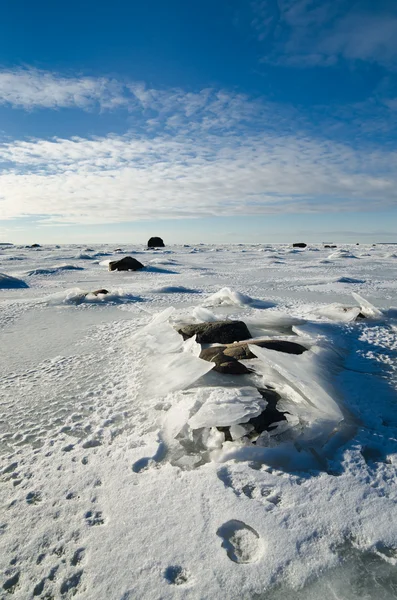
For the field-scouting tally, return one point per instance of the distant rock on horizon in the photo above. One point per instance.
(155, 242)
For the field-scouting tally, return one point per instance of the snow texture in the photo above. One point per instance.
(118, 479)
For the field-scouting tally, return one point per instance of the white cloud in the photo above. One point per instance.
(191, 154)
(32, 88)
(118, 179)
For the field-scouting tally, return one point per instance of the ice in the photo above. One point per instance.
(228, 406)
(173, 372)
(203, 315)
(308, 374)
(368, 309)
(339, 312)
(7, 282)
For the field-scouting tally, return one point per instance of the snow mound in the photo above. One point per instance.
(348, 280)
(176, 290)
(342, 254)
(228, 297)
(78, 296)
(7, 282)
(54, 270)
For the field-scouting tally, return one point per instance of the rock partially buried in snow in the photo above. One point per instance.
(299, 245)
(228, 365)
(126, 264)
(100, 292)
(241, 351)
(7, 282)
(221, 332)
(155, 242)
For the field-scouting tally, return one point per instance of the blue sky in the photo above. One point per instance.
(229, 121)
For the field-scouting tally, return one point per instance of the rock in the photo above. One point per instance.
(155, 242)
(100, 292)
(241, 351)
(265, 421)
(221, 332)
(329, 246)
(299, 245)
(228, 365)
(125, 264)
(35, 246)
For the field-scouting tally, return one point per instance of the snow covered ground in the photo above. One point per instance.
(116, 482)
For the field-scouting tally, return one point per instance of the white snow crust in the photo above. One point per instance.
(117, 480)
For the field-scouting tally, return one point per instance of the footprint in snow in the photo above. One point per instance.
(241, 542)
(176, 575)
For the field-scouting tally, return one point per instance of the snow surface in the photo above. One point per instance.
(116, 482)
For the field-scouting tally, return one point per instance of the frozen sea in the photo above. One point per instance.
(115, 481)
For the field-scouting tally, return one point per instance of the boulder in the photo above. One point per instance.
(35, 246)
(221, 332)
(228, 365)
(155, 242)
(97, 292)
(299, 245)
(329, 246)
(126, 264)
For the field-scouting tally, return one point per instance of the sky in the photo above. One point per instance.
(198, 121)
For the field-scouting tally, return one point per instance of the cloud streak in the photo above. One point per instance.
(190, 154)
(128, 178)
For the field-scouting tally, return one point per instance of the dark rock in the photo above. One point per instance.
(266, 420)
(330, 246)
(155, 242)
(299, 245)
(223, 363)
(281, 346)
(226, 431)
(35, 246)
(100, 292)
(126, 264)
(241, 351)
(221, 332)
